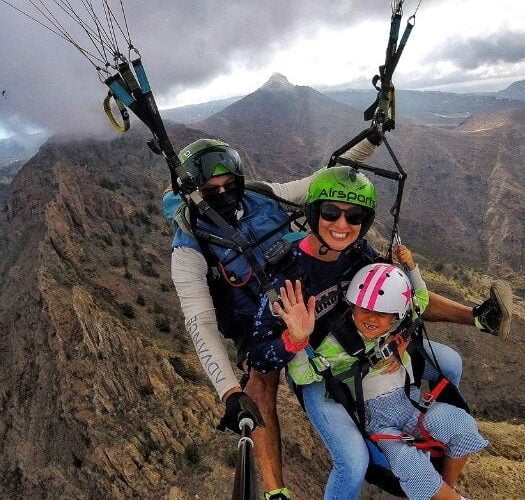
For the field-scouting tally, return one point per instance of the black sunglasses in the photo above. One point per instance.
(207, 191)
(353, 215)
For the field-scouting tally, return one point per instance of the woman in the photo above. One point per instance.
(340, 208)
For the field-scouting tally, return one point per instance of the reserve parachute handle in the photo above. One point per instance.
(119, 127)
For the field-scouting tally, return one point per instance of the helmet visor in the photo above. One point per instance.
(203, 166)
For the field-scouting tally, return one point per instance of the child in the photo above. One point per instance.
(381, 299)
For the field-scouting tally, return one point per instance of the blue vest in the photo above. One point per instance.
(261, 215)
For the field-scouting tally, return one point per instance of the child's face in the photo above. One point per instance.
(372, 324)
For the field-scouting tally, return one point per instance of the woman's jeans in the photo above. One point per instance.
(342, 438)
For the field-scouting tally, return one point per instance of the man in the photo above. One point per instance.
(218, 289)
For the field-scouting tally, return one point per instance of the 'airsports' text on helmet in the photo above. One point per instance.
(382, 288)
(206, 158)
(340, 184)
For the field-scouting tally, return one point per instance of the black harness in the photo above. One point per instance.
(341, 326)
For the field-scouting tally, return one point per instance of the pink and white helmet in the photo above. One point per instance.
(382, 288)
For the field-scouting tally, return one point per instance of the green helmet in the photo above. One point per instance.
(206, 158)
(340, 184)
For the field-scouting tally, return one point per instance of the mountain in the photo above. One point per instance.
(101, 393)
(284, 129)
(287, 131)
(467, 185)
(20, 147)
(431, 108)
(515, 90)
(197, 112)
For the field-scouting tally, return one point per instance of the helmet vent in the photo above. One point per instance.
(360, 286)
(381, 292)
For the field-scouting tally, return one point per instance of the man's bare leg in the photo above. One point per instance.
(442, 309)
(263, 390)
(492, 316)
(452, 468)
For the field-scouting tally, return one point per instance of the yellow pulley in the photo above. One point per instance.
(119, 127)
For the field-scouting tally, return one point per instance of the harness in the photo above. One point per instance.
(343, 329)
(222, 281)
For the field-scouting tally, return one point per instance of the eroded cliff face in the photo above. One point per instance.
(101, 395)
(90, 407)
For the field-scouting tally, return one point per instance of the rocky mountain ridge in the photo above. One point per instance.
(515, 90)
(101, 394)
(430, 108)
(288, 131)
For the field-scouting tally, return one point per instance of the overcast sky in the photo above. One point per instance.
(200, 50)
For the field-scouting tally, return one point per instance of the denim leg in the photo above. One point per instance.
(448, 359)
(342, 439)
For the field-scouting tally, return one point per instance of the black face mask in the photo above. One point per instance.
(225, 204)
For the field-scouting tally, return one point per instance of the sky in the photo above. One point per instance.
(201, 50)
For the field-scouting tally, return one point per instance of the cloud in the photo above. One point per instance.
(183, 44)
(503, 47)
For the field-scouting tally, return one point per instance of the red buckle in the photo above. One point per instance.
(430, 397)
(427, 400)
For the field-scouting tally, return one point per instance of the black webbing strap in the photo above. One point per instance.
(241, 243)
(379, 109)
(341, 394)
(291, 218)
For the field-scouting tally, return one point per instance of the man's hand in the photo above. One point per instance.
(298, 316)
(239, 405)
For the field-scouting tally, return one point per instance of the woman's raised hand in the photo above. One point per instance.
(298, 316)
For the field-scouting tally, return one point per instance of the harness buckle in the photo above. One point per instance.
(322, 361)
(427, 400)
(383, 351)
(406, 437)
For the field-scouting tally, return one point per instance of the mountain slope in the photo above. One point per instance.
(20, 147)
(101, 395)
(431, 108)
(468, 186)
(515, 90)
(284, 129)
(90, 399)
(465, 184)
(98, 399)
(197, 112)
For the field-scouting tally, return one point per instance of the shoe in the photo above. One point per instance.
(494, 315)
(279, 494)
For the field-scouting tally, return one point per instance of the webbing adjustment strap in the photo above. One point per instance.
(428, 399)
(241, 243)
(428, 443)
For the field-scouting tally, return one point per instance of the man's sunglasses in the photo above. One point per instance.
(353, 215)
(208, 191)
